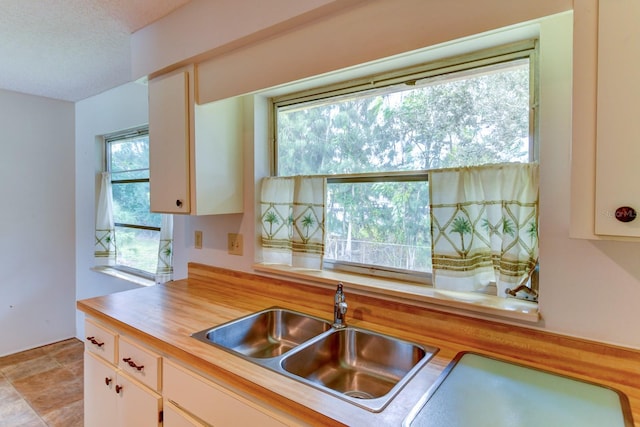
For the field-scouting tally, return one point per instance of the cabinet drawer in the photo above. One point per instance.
(175, 417)
(212, 403)
(101, 341)
(140, 363)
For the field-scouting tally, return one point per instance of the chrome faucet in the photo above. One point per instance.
(339, 308)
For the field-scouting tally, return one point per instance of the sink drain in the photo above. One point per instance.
(358, 394)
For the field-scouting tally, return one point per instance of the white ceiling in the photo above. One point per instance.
(71, 49)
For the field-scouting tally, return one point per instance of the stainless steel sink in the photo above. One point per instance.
(362, 367)
(265, 334)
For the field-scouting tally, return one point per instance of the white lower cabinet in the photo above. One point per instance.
(112, 399)
(209, 403)
(127, 384)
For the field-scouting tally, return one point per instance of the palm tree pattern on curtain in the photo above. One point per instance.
(105, 243)
(484, 224)
(293, 220)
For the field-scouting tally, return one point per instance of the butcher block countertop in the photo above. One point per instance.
(164, 317)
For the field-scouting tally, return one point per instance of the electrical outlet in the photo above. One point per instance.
(235, 244)
(197, 239)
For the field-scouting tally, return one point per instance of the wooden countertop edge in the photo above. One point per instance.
(239, 292)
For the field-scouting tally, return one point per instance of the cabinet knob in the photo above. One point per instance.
(118, 388)
(107, 380)
(179, 203)
(625, 214)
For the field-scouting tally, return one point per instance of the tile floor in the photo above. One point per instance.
(43, 386)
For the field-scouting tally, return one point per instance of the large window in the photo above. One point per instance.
(376, 139)
(137, 229)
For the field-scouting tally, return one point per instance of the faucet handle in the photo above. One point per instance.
(342, 306)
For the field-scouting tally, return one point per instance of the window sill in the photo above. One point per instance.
(123, 275)
(505, 308)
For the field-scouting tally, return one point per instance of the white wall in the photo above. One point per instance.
(588, 288)
(118, 109)
(37, 235)
(223, 25)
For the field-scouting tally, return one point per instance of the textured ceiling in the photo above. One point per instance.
(71, 49)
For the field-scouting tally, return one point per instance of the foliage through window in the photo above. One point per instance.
(137, 229)
(376, 139)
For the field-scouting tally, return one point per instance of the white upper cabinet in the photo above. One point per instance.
(169, 143)
(195, 151)
(618, 137)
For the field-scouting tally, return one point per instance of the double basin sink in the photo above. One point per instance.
(362, 367)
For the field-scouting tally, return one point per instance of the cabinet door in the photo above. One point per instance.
(111, 399)
(169, 133)
(99, 393)
(137, 406)
(618, 148)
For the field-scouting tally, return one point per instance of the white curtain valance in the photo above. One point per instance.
(293, 220)
(484, 223)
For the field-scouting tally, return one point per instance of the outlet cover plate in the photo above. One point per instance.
(234, 244)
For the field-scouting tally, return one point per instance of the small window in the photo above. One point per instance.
(137, 229)
(375, 140)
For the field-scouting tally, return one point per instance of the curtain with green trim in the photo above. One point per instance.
(293, 220)
(484, 225)
(164, 269)
(105, 243)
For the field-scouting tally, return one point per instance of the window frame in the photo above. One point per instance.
(528, 48)
(413, 276)
(116, 137)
